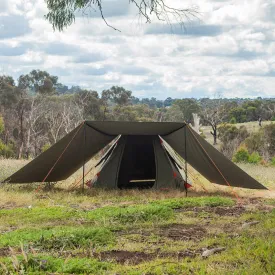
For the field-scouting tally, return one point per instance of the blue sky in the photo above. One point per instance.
(229, 51)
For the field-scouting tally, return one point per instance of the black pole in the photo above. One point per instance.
(84, 158)
(185, 156)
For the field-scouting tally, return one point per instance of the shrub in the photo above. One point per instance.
(46, 147)
(202, 134)
(273, 118)
(269, 135)
(263, 162)
(228, 132)
(273, 161)
(241, 155)
(255, 142)
(6, 150)
(233, 120)
(231, 138)
(2, 126)
(254, 158)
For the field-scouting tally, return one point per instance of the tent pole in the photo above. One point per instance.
(185, 153)
(84, 158)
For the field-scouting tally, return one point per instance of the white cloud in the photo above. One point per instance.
(230, 50)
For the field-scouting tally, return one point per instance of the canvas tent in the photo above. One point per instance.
(138, 154)
(140, 161)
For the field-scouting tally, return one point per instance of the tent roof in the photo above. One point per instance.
(115, 128)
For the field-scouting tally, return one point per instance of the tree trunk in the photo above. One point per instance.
(214, 134)
(19, 156)
(28, 144)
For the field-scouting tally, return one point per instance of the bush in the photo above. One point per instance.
(255, 158)
(202, 134)
(228, 132)
(241, 155)
(231, 138)
(269, 135)
(255, 142)
(46, 147)
(6, 151)
(273, 161)
(273, 118)
(2, 126)
(233, 120)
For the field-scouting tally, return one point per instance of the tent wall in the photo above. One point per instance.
(70, 161)
(201, 160)
(125, 163)
(167, 175)
(108, 175)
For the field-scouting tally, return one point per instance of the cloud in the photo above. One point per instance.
(8, 50)
(195, 30)
(110, 8)
(91, 70)
(59, 48)
(231, 50)
(88, 58)
(13, 26)
(134, 70)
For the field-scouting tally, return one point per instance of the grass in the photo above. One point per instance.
(76, 243)
(136, 232)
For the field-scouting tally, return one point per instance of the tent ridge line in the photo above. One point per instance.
(185, 124)
(98, 129)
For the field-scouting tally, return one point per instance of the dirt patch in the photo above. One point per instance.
(229, 211)
(10, 229)
(8, 205)
(123, 257)
(183, 232)
(134, 258)
(221, 211)
(4, 252)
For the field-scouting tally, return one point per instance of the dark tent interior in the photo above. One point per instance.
(137, 168)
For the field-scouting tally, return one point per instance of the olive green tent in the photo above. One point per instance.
(138, 155)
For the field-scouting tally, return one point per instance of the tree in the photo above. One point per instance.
(61, 13)
(213, 116)
(8, 95)
(39, 82)
(187, 107)
(196, 123)
(168, 102)
(117, 95)
(173, 114)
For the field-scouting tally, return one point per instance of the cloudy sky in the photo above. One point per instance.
(229, 51)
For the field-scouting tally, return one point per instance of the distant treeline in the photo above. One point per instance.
(36, 111)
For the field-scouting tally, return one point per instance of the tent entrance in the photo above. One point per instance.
(138, 167)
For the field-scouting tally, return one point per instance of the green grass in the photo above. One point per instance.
(195, 202)
(44, 263)
(69, 232)
(58, 237)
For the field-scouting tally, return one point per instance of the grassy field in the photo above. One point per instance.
(136, 232)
